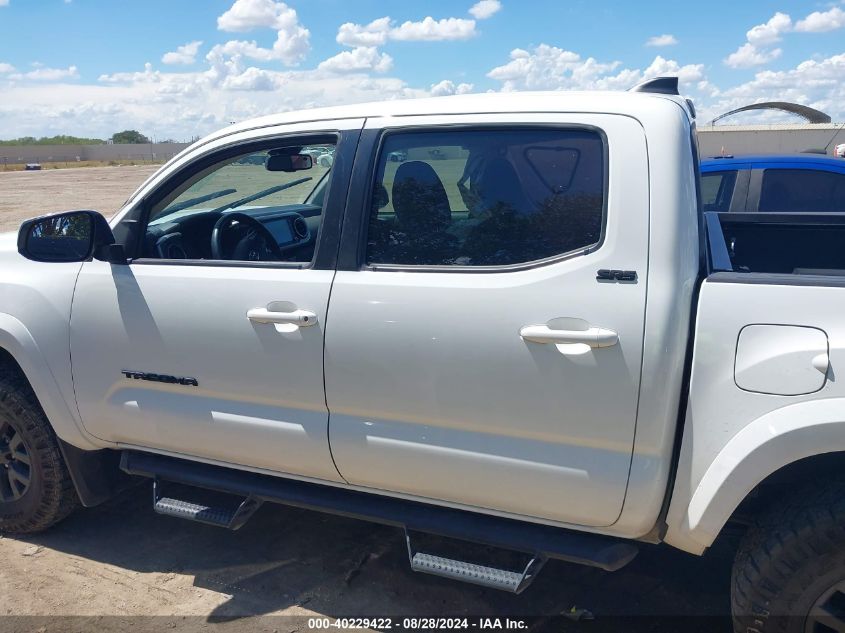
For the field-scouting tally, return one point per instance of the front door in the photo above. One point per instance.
(475, 354)
(210, 343)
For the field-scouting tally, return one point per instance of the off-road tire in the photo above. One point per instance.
(789, 561)
(50, 496)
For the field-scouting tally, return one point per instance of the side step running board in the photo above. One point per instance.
(220, 517)
(492, 577)
(533, 539)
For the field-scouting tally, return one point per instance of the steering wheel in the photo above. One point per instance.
(240, 237)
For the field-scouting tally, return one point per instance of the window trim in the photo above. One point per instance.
(325, 252)
(364, 203)
(742, 188)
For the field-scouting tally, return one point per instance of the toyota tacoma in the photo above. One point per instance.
(527, 334)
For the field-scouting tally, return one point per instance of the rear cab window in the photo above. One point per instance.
(496, 197)
(802, 191)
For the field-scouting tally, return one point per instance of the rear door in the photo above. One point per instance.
(486, 323)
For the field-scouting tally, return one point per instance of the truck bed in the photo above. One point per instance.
(769, 341)
(777, 243)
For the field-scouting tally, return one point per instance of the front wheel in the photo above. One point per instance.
(789, 573)
(35, 488)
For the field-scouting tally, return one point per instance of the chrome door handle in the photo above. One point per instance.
(302, 318)
(594, 336)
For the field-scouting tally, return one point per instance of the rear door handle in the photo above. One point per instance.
(594, 336)
(302, 318)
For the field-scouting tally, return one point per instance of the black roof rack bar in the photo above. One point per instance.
(658, 85)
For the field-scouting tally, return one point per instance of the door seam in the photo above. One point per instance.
(329, 301)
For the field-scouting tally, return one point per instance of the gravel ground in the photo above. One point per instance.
(121, 563)
(25, 194)
(121, 559)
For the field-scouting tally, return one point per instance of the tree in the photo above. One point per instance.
(61, 139)
(129, 137)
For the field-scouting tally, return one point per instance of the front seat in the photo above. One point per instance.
(419, 199)
(500, 191)
(423, 217)
(505, 234)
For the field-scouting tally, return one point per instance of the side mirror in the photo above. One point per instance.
(73, 236)
(288, 162)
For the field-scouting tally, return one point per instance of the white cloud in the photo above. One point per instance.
(687, 75)
(814, 82)
(707, 89)
(448, 87)
(431, 30)
(147, 75)
(662, 40)
(246, 15)
(379, 31)
(484, 9)
(821, 21)
(232, 88)
(551, 68)
(547, 67)
(196, 102)
(253, 79)
(229, 89)
(373, 34)
(771, 31)
(756, 51)
(748, 55)
(360, 59)
(47, 74)
(4, 3)
(289, 50)
(185, 54)
(292, 39)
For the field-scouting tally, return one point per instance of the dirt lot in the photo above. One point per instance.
(24, 194)
(120, 561)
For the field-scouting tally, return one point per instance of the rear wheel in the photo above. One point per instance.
(35, 487)
(789, 573)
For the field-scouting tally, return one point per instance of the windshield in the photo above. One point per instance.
(244, 181)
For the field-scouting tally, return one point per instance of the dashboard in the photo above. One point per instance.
(189, 236)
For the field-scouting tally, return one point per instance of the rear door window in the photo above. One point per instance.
(802, 191)
(717, 189)
(486, 197)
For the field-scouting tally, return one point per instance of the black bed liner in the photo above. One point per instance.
(794, 246)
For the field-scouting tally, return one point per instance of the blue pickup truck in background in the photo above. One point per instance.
(786, 184)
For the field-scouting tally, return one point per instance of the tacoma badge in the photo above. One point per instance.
(175, 380)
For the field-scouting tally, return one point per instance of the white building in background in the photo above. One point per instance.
(717, 140)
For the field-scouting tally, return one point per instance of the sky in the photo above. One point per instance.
(183, 68)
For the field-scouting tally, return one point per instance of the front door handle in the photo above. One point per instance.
(594, 336)
(302, 318)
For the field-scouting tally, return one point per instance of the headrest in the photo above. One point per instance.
(499, 187)
(419, 199)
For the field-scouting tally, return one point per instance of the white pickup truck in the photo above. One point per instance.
(521, 333)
